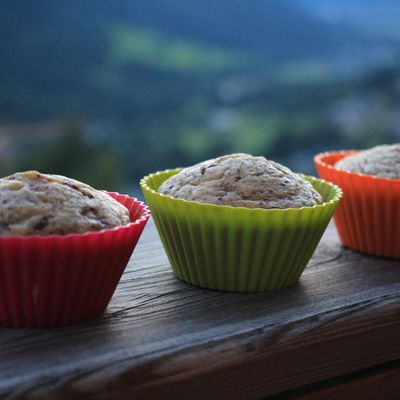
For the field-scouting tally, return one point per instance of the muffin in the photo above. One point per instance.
(63, 248)
(368, 217)
(32, 203)
(241, 180)
(381, 161)
(239, 223)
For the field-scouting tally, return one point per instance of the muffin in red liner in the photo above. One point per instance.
(368, 218)
(51, 281)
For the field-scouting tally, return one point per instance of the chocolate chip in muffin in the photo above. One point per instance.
(41, 224)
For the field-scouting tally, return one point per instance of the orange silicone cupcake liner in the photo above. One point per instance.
(368, 218)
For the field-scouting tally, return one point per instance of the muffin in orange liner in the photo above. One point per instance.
(368, 218)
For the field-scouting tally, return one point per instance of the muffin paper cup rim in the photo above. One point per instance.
(145, 215)
(320, 159)
(338, 195)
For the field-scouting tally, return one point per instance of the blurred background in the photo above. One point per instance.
(107, 91)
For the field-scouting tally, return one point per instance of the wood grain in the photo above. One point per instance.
(371, 384)
(162, 338)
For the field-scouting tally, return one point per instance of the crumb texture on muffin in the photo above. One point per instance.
(381, 161)
(241, 180)
(32, 203)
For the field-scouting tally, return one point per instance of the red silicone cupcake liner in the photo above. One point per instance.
(51, 281)
(368, 218)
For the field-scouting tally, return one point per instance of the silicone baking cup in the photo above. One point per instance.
(234, 248)
(368, 219)
(51, 281)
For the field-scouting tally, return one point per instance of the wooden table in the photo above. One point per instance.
(335, 335)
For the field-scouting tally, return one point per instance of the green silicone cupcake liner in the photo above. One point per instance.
(238, 249)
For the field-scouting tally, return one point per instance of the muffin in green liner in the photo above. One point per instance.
(238, 249)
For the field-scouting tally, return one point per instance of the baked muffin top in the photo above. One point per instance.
(381, 161)
(32, 203)
(241, 180)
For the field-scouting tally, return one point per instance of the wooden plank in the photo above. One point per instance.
(382, 382)
(161, 337)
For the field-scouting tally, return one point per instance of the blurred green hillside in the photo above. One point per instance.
(109, 91)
